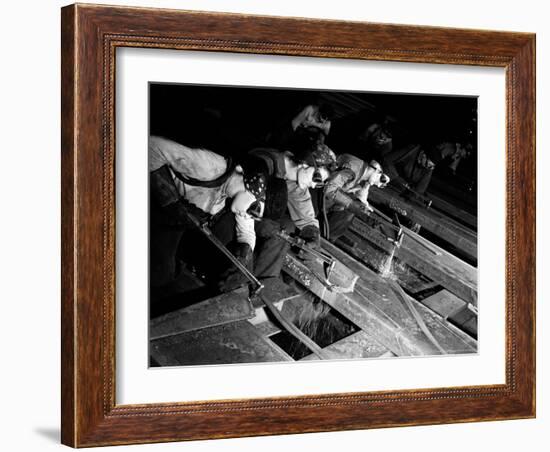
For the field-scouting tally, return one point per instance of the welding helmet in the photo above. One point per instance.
(378, 177)
(256, 210)
(250, 200)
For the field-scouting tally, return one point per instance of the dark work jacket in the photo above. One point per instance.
(402, 166)
(270, 162)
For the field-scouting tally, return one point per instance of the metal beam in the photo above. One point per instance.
(375, 309)
(453, 211)
(454, 310)
(448, 230)
(219, 310)
(455, 275)
(237, 342)
(451, 337)
(358, 345)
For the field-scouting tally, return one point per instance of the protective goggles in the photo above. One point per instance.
(255, 210)
(384, 178)
(320, 175)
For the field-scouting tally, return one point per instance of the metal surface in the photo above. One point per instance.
(417, 317)
(328, 270)
(453, 211)
(356, 346)
(256, 291)
(375, 308)
(294, 330)
(448, 230)
(374, 288)
(237, 342)
(444, 303)
(457, 276)
(219, 310)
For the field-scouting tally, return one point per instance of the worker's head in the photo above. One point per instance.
(326, 112)
(448, 149)
(381, 136)
(434, 154)
(428, 160)
(377, 136)
(311, 176)
(314, 159)
(305, 141)
(322, 156)
(319, 163)
(463, 151)
(374, 175)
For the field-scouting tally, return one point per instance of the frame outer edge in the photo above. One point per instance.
(68, 242)
(86, 419)
(525, 62)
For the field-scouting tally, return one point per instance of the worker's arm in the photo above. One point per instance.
(362, 194)
(422, 185)
(325, 126)
(196, 163)
(302, 117)
(392, 159)
(338, 180)
(244, 230)
(300, 206)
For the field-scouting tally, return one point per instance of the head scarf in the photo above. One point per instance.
(255, 183)
(323, 156)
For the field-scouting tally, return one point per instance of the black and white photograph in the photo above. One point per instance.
(299, 225)
(242, 226)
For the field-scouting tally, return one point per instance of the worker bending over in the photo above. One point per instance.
(198, 182)
(288, 207)
(353, 176)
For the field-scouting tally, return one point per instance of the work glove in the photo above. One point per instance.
(233, 278)
(362, 195)
(312, 239)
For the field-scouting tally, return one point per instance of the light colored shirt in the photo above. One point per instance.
(310, 117)
(350, 177)
(203, 165)
(300, 206)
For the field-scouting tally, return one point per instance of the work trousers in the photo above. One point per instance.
(171, 243)
(270, 249)
(164, 239)
(168, 244)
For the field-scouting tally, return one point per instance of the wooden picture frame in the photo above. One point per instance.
(90, 36)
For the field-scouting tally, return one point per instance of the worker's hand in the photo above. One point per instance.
(366, 207)
(233, 278)
(406, 189)
(268, 228)
(178, 214)
(311, 236)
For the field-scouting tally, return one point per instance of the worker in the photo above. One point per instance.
(354, 177)
(463, 151)
(314, 115)
(411, 167)
(377, 141)
(287, 207)
(313, 120)
(197, 182)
